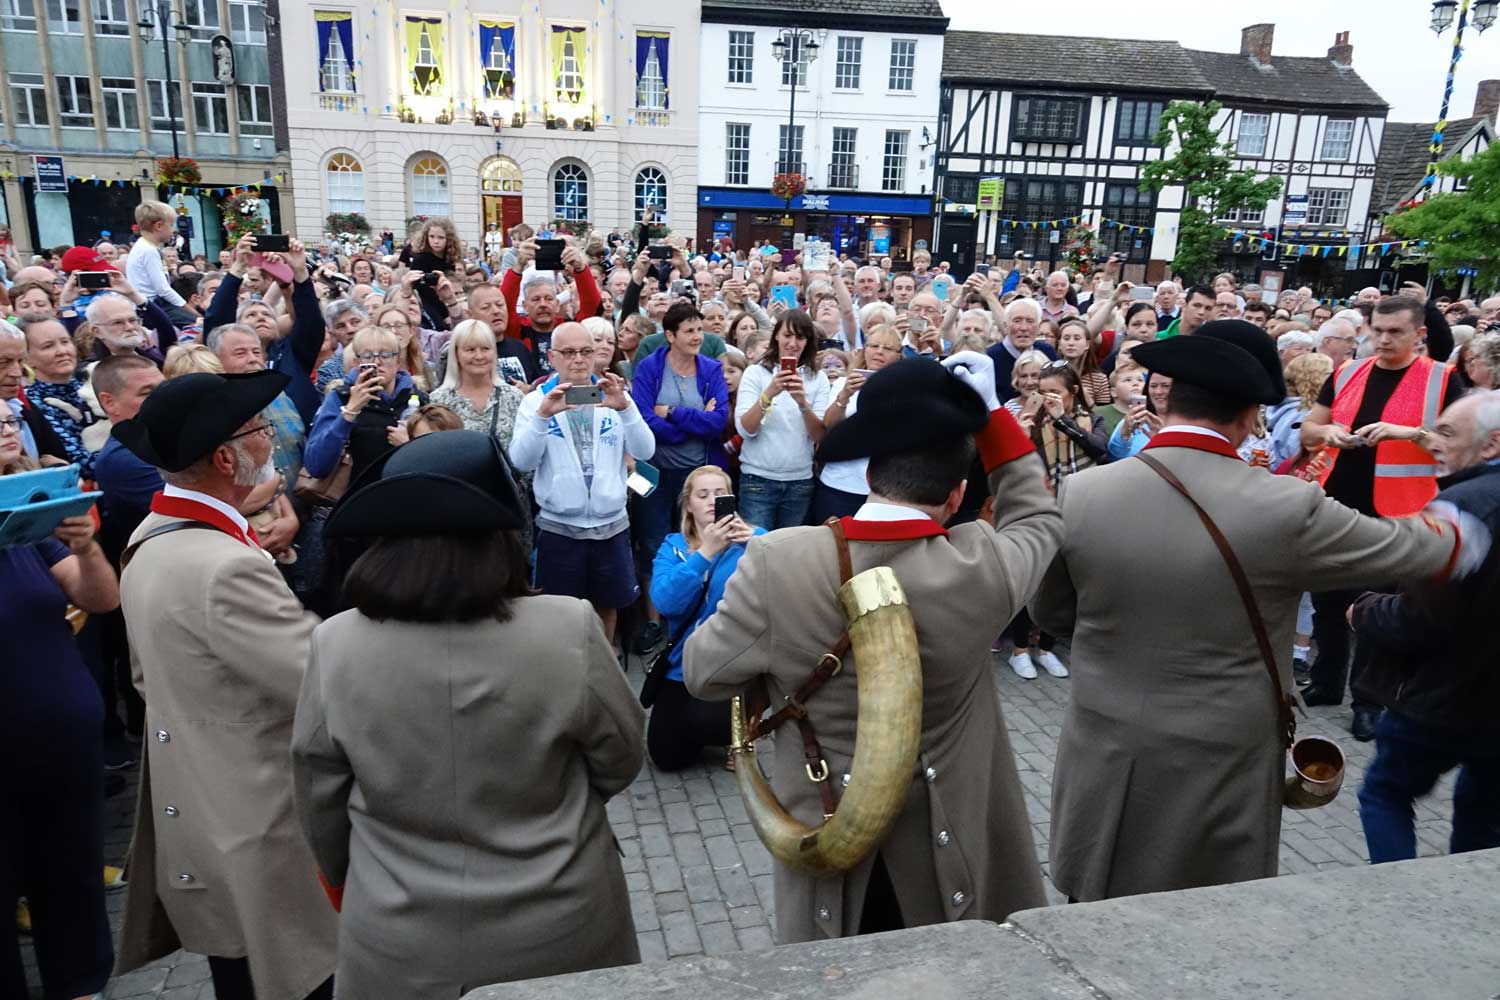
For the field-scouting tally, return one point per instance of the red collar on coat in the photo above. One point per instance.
(891, 531)
(192, 510)
(1198, 442)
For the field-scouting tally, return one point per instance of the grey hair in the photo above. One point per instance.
(1026, 358)
(1486, 348)
(984, 314)
(532, 278)
(92, 312)
(211, 276)
(1353, 317)
(469, 329)
(1023, 303)
(869, 267)
(873, 314)
(10, 331)
(1329, 325)
(215, 338)
(245, 307)
(1295, 338)
(1486, 413)
(335, 310)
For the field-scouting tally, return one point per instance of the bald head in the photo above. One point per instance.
(1370, 295)
(35, 272)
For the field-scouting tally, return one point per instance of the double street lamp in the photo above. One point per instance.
(1443, 14)
(795, 48)
(158, 14)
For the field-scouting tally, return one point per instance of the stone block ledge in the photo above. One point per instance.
(1421, 928)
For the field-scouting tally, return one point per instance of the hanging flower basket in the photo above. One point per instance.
(570, 227)
(788, 186)
(346, 222)
(242, 215)
(1081, 249)
(178, 170)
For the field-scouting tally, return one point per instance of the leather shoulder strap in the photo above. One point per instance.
(1288, 721)
(846, 568)
(165, 529)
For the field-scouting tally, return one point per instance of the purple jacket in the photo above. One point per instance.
(685, 424)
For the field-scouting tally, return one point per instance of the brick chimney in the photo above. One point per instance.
(1487, 99)
(1255, 42)
(1342, 53)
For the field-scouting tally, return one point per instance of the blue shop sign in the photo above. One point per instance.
(837, 204)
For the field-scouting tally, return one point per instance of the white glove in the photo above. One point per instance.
(977, 372)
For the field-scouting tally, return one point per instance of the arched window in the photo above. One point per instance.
(570, 193)
(651, 189)
(429, 187)
(346, 184)
(500, 176)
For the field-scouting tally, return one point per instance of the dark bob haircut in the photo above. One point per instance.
(440, 578)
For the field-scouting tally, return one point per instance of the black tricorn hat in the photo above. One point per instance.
(448, 482)
(1230, 357)
(189, 416)
(903, 407)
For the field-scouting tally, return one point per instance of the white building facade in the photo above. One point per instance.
(578, 111)
(1075, 148)
(863, 132)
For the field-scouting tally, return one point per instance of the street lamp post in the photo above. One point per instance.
(794, 47)
(159, 15)
(1443, 11)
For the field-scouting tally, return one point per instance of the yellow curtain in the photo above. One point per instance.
(413, 45)
(435, 39)
(332, 15)
(560, 39)
(434, 29)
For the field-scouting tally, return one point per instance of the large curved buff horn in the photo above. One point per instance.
(884, 642)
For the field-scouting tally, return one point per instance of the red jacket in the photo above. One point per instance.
(516, 325)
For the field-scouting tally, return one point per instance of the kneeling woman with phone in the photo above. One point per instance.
(688, 578)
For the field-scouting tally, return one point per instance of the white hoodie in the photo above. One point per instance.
(545, 445)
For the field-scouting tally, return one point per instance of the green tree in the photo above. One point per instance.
(1203, 165)
(1462, 228)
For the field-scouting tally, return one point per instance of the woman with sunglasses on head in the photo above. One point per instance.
(362, 414)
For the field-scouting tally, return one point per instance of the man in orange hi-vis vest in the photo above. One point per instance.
(1372, 417)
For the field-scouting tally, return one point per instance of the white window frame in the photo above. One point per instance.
(1245, 215)
(651, 183)
(736, 153)
(29, 91)
(893, 162)
(334, 75)
(1264, 135)
(213, 96)
(1328, 206)
(577, 173)
(68, 19)
(790, 147)
(843, 162)
(111, 17)
(344, 181)
(203, 16)
(903, 72)
(741, 68)
(430, 191)
(1331, 147)
(256, 100)
(651, 91)
(569, 80)
(849, 55)
(159, 90)
(240, 30)
(119, 94)
(801, 67)
(73, 94)
(18, 15)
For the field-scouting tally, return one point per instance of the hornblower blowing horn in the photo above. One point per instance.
(888, 667)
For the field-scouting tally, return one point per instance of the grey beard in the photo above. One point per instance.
(246, 474)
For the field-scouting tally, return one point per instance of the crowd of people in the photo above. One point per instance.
(450, 450)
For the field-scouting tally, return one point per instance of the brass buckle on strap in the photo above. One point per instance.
(820, 775)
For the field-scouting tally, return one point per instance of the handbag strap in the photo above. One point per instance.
(1286, 720)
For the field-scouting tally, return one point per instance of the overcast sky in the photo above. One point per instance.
(1394, 49)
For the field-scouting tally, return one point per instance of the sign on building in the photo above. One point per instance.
(1296, 210)
(991, 194)
(51, 178)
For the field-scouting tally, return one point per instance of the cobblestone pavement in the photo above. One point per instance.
(700, 881)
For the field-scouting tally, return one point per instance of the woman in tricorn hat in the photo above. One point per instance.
(456, 740)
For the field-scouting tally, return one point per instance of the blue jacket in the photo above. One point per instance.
(330, 431)
(294, 355)
(1122, 447)
(677, 578)
(684, 424)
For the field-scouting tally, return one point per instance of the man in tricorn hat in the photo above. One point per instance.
(218, 644)
(960, 847)
(1170, 766)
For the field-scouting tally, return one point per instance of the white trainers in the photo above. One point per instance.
(1051, 663)
(1022, 665)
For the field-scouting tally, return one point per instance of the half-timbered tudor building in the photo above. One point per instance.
(1067, 124)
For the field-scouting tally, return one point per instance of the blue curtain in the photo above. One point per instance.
(325, 31)
(642, 53)
(508, 43)
(642, 47)
(346, 39)
(487, 35)
(666, 81)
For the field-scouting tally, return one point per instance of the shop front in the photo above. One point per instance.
(861, 226)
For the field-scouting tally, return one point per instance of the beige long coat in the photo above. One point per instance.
(218, 646)
(961, 848)
(453, 779)
(1169, 768)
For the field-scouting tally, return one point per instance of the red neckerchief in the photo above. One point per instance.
(1198, 442)
(891, 531)
(193, 510)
